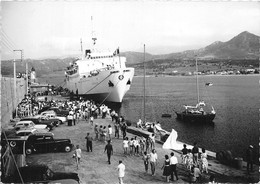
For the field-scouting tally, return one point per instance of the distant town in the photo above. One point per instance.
(188, 68)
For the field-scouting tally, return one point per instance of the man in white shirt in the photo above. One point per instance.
(153, 160)
(121, 171)
(173, 165)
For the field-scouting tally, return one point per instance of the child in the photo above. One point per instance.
(189, 160)
(204, 161)
(91, 120)
(109, 131)
(96, 131)
(104, 133)
(146, 159)
(136, 146)
(125, 145)
(196, 174)
(77, 155)
(131, 144)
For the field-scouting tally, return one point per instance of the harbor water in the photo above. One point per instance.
(234, 98)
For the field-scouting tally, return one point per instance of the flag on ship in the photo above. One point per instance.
(116, 52)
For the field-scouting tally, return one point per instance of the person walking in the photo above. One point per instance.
(77, 155)
(173, 165)
(147, 144)
(153, 161)
(141, 143)
(89, 140)
(249, 159)
(96, 131)
(166, 168)
(74, 118)
(109, 150)
(152, 141)
(121, 171)
(100, 131)
(117, 129)
(123, 128)
(146, 161)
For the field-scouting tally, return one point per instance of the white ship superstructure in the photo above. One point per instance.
(101, 75)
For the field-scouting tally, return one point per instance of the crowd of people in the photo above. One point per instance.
(194, 161)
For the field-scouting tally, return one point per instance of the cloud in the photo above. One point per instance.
(44, 28)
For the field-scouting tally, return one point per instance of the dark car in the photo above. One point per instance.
(16, 142)
(46, 108)
(37, 120)
(57, 110)
(39, 174)
(43, 143)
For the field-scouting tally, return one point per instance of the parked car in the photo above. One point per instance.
(41, 143)
(40, 174)
(30, 125)
(64, 181)
(17, 139)
(47, 117)
(57, 110)
(15, 142)
(27, 132)
(52, 114)
(50, 124)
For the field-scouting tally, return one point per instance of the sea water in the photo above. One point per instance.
(234, 98)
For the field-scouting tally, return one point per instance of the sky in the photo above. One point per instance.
(54, 29)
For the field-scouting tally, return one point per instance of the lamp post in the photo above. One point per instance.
(15, 85)
(15, 96)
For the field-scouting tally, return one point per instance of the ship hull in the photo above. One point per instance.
(108, 85)
(195, 117)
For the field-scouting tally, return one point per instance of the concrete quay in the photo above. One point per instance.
(94, 168)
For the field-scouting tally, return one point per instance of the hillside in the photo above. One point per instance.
(243, 46)
(42, 67)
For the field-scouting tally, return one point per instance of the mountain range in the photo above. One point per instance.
(244, 46)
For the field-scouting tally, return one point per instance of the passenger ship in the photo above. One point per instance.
(101, 76)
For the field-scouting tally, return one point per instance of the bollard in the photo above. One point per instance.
(238, 162)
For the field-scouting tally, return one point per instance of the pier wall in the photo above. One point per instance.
(8, 103)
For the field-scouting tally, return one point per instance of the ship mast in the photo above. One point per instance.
(93, 32)
(144, 120)
(81, 49)
(197, 82)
